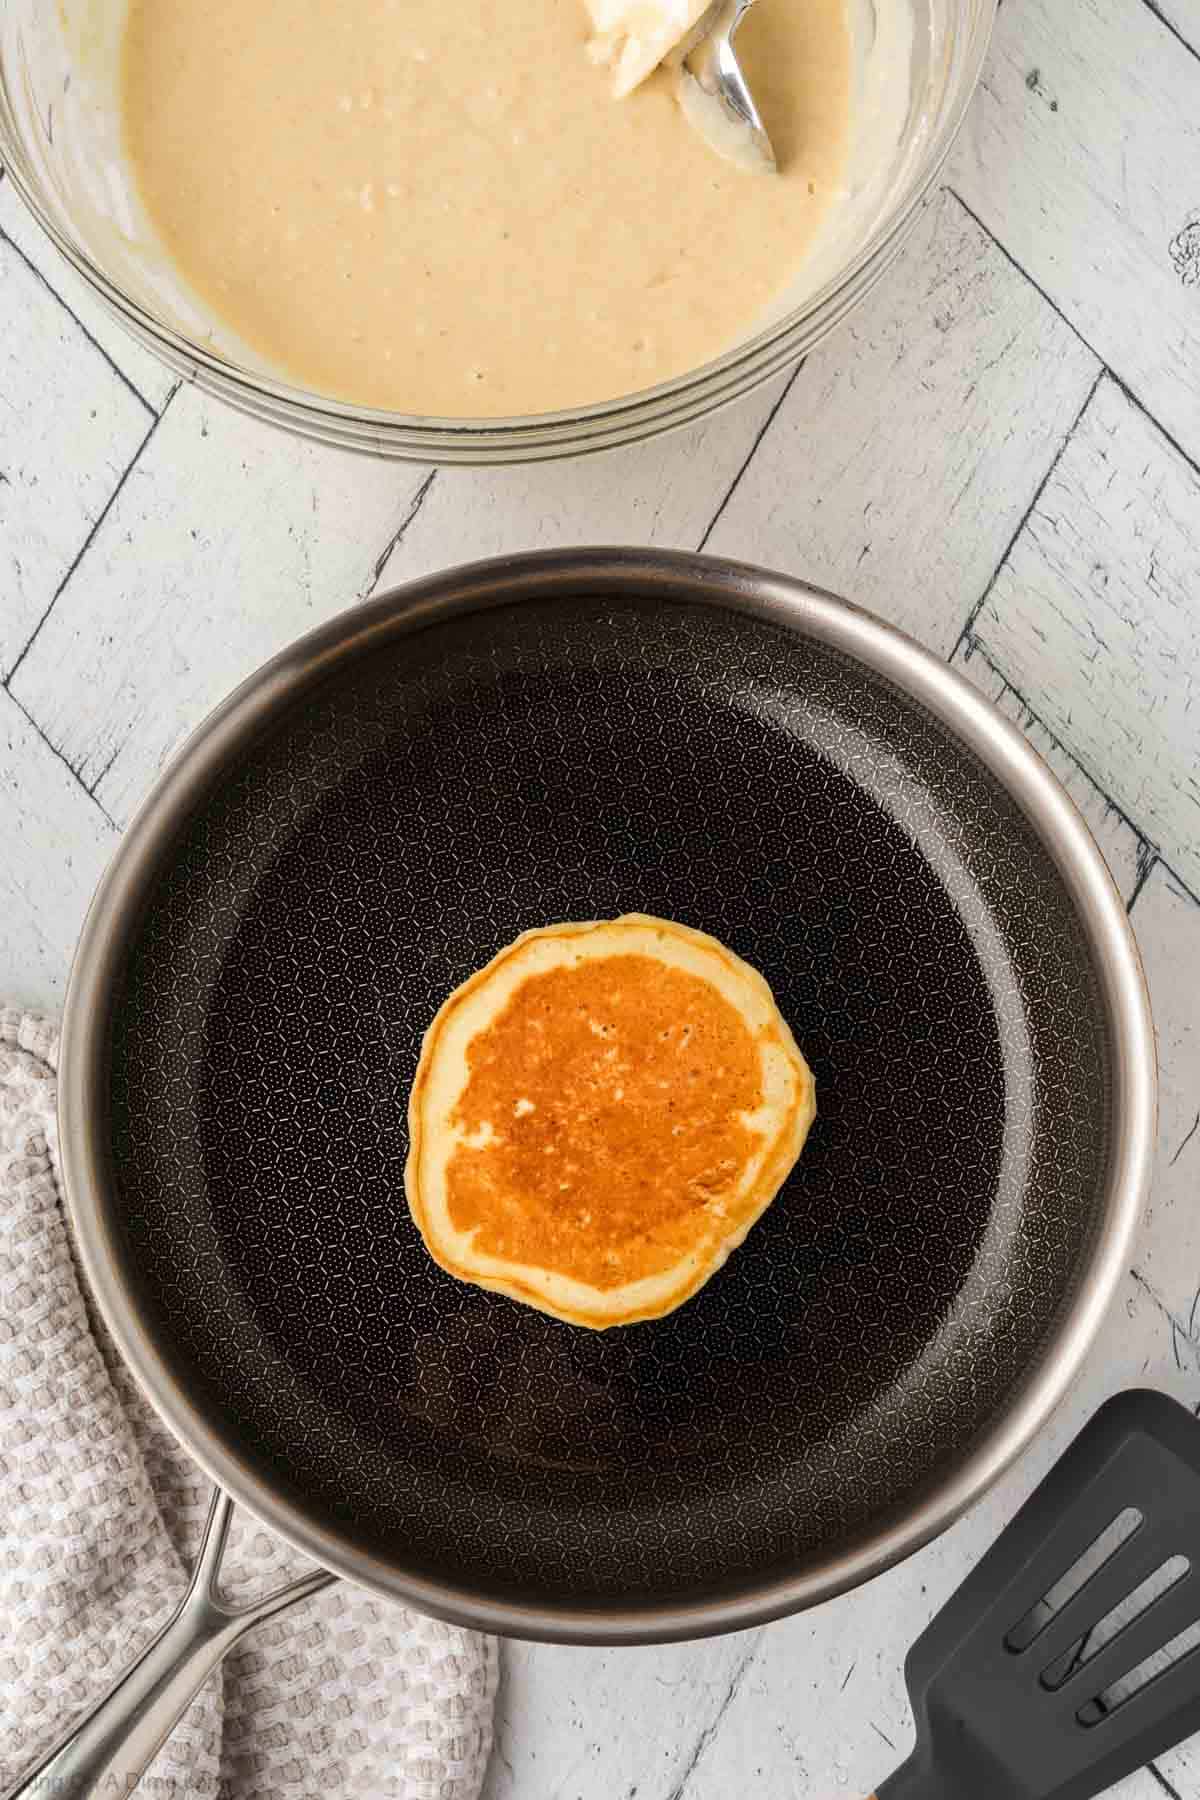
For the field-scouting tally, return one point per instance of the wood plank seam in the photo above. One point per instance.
(1019, 267)
(1149, 856)
(66, 762)
(101, 352)
(1163, 1783)
(1163, 430)
(1105, 368)
(763, 429)
(710, 1731)
(1181, 1333)
(398, 536)
(967, 632)
(155, 421)
(1091, 619)
(1148, 860)
(1169, 25)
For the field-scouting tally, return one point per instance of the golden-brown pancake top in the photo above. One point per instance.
(603, 1120)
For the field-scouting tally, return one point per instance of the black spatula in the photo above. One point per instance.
(1071, 1656)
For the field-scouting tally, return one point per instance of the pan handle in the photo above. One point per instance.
(106, 1753)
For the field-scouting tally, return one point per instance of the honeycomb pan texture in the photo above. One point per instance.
(576, 759)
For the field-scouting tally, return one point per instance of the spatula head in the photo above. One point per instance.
(1071, 1656)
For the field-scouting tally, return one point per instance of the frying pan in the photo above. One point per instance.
(576, 735)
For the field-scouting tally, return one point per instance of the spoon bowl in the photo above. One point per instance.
(715, 95)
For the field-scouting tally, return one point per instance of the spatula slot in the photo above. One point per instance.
(1119, 1693)
(1123, 1614)
(1099, 1552)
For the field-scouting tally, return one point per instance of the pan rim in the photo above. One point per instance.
(669, 576)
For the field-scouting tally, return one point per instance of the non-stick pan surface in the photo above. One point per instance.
(374, 820)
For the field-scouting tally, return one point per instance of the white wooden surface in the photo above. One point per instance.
(1001, 452)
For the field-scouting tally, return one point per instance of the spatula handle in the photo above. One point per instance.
(918, 1779)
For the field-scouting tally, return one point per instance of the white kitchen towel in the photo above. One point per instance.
(100, 1514)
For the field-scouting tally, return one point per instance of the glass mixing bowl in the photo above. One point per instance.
(917, 62)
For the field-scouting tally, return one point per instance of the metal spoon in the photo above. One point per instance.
(715, 95)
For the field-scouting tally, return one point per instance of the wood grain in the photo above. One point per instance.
(226, 542)
(151, 378)
(54, 844)
(1082, 156)
(1126, 853)
(1093, 620)
(664, 492)
(1168, 1256)
(905, 455)
(55, 389)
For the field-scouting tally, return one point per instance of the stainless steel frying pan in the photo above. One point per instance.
(369, 819)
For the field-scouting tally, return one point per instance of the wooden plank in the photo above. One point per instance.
(1126, 853)
(555, 1717)
(663, 492)
(152, 379)
(1076, 156)
(227, 541)
(55, 842)
(56, 390)
(1167, 921)
(1093, 620)
(607, 1724)
(904, 457)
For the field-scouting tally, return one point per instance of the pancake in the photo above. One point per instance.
(600, 1115)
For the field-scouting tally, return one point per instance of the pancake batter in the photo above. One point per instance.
(441, 209)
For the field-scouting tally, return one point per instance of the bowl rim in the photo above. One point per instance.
(574, 430)
(663, 576)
